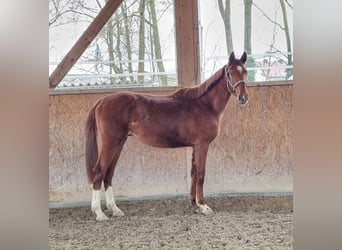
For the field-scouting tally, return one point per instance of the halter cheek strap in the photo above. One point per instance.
(231, 87)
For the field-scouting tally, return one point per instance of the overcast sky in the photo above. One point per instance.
(213, 36)
(262, 29)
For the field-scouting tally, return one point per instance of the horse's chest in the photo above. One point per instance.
(209, 130)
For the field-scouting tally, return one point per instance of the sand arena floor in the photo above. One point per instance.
(238, 223)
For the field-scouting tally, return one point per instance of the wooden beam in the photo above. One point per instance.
(83, 42)
(187, 47)
(187, 42)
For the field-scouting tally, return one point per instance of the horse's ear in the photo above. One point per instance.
(243, 58)
(232, 57)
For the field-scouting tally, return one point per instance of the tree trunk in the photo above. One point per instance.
(247, 38)
(157, 47)
(141, 56)
(288, 39)
(119, 69)
(127, 39)
(225, 14)
(110, 45)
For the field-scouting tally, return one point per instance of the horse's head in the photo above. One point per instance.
(236, 77)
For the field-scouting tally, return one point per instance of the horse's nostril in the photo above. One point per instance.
(243, 99)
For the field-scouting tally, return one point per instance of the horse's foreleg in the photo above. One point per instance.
(200, 156)
(192, 196)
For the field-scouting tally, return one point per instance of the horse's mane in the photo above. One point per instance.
(200, 90)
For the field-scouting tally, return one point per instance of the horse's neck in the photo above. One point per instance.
(217, 98)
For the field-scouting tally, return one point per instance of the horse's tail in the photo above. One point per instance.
(91, 150)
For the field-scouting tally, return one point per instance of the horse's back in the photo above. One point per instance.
(119, 97)
(125, 106)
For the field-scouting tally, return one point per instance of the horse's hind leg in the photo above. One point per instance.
(96, 206)
(102, 167)
(110, 201)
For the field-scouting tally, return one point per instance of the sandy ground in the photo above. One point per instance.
(238, 223)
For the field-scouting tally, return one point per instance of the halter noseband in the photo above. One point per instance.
(231, 87)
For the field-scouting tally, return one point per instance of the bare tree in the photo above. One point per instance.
(288, 39)
(110, 45)
(127, 36)
(141, 56)
(285, 28)
(124, 36)
(63, 12)
(247, 38)
(156, 41)
(225, 14)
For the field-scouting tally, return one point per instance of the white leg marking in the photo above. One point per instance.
(203, 209)
(110, 202)
(96, 206)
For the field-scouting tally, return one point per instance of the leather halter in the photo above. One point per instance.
(231, 87)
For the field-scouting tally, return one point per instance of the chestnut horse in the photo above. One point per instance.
(188, 117)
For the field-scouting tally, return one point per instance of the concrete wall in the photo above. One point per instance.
(252, 153)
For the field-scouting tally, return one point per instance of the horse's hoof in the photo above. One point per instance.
(204, 209)
(118, 213)
(101, 217)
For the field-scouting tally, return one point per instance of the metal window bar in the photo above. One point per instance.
(97, 79)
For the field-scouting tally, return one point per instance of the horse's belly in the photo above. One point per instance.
(161, 141)
(162, 138)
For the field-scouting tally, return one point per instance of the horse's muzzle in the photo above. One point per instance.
(243, 99)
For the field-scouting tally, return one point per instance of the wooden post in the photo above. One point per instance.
(188, 53)
(187, 42)
(83, 42)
